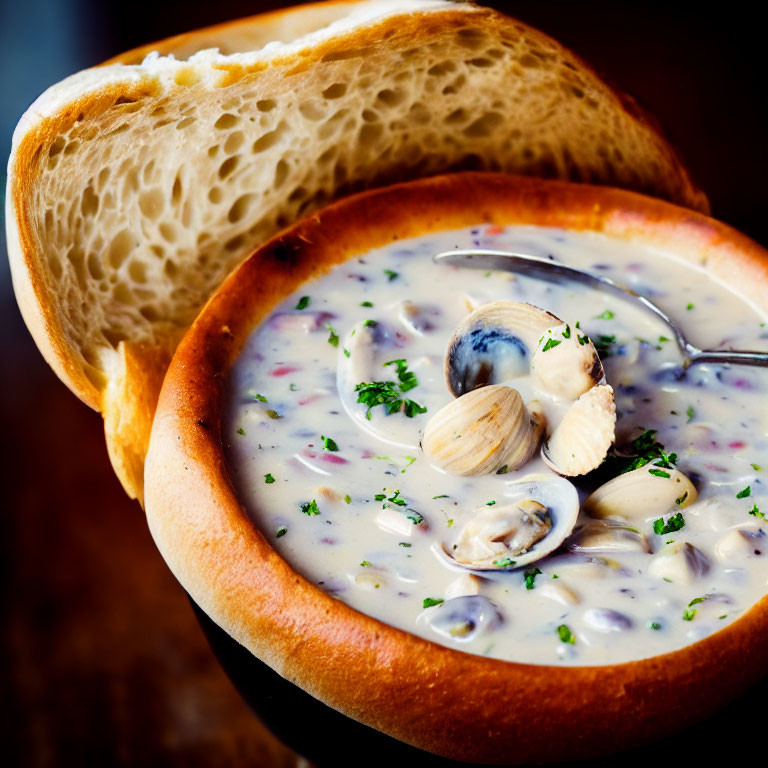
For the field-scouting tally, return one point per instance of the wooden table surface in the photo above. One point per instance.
(104, 663)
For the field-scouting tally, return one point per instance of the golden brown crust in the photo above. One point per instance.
(445, 701)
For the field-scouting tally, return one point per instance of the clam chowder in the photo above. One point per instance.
(506, 466)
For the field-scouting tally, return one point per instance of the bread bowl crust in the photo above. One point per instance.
(445, 701)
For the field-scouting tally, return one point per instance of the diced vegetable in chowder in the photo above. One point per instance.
(425, 495)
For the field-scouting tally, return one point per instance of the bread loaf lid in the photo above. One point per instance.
(134, 188)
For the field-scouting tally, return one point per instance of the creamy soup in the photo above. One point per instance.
(343, 491)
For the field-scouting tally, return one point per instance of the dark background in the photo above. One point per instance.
(103, 663)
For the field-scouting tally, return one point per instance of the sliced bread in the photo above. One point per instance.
(135, 187)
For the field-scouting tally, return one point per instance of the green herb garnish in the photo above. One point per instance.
(755, 512)
(689, 614)
(690, 413)
(281, 531)
(504, 562)
(366, 303)
(240, 431)
(388, 393)
(333, 337)
(689, 305)
(365, 564)
(329, 443)
(603, 344)
(303, 302)
(310, 508)
(273, 414)
(659, 473)
(391, 275)
(654, 625)
(530, 577)
(256, 396)
(742, 494)
(607, 315)
(680, 499)
(429, 602)
(551, 343)
(565, 634)
(269, 478)
(675, 523)
(347, 499)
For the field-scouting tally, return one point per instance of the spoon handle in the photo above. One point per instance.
(759, 359)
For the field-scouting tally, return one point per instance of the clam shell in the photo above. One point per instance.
(494, 343)
(565, 363)
(680, 562)
(556, 494)
(638, 495)
(482, 431)
(581, 440)
(609, 536)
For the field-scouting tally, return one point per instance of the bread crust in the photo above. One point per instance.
(445, 701)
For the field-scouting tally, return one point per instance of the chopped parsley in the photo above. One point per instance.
(551, 343)
(490, 503)
(504, 562)
(690, 413)
(404, 544)
(567, 332)
(370, 323)
(742, 494)
(273, 414)
(293, 387)
(675, 523)
(333, 337)
(662, 339)
(654, 625)
(391, 275)
(645, 449)
(256, 396)
(281, 531)
(347, 499)
(681, 499)
(689, 305)
(689, 614)
(755, 512)
(346, 352)
(530, 577)
(240, 431)
(429, 602)
(310, 508)
(607, 315)
(442, 496)
(366, 303)
(303, 302)
(269, 478)
(329, 443)
(756, 467)
(415, 517)
(388, 393)
(659, 473)
(565, 634)
(365, 564)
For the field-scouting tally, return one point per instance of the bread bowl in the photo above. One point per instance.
(434, 697)
(114, 249)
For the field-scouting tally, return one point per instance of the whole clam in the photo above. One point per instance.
(482, 431)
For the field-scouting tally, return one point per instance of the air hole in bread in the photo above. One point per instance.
(266, 105)
(335, 91)
(312, 110)
(137, 271)
(485, 125)
(234, 142)
(176, 190)
(151, 203)
(390, 97)
(226, 121)
(268, 140)
(239, 208)
(481, 62)
(228, 166)
(215, 195)
(122, 244)
(168, 231)
(89, 204)
(281, 173)
(185, 123)
(95, 269)
(441, 69)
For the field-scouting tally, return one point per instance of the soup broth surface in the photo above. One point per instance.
(353, 505)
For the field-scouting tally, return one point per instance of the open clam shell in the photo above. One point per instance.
(580, 442)
(493, 344)
(491, 539)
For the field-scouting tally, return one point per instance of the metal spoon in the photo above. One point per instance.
(555, 272)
